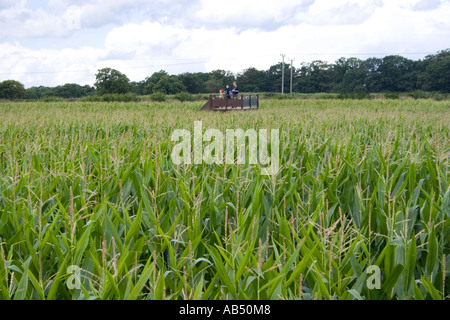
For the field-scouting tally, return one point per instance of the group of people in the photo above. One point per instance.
(233, 91)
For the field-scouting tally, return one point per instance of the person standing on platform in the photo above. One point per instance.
(227, 92)
(235, 90)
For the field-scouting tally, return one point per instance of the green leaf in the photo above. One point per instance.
(21, 291)
(388, 285)
(434, 293)
(223, 275)
(143, 278)
(410, 264)
(432, 247)
(355, 294)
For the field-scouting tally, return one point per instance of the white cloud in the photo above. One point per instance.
(48, 67)
(396, 28)
(212, 35)
(6, 3)
(339, 12)
(248, 13)
(424, 5)
(18, 21)
(145, 35)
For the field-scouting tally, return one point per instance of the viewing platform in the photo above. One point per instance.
(244, 102)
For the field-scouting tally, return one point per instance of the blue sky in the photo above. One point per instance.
(65, 41)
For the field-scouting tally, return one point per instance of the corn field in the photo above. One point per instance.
(91, 187)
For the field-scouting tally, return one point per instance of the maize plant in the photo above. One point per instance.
(93, 207)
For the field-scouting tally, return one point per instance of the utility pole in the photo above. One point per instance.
(282, 74)
(291, 74)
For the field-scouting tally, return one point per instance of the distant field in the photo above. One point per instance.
(363, 185)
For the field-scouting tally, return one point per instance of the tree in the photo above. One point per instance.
(12, 90)
(373, 74)
(151, 81)
(253, 80)
(137, 87)
(439, 75)
(194, 82)
(169, 85)
(317, 76)
(273, 78)
(436, 76)
(396, 74)
(72, 90)
(218, 79)
(38, 92)
(224, 77)
(110, 81)
(213, 85)
(349, 75)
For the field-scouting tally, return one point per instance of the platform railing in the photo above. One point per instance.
(244, 101)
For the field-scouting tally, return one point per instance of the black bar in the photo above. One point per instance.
(243, 309)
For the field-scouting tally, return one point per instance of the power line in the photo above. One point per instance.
(86, 70)
(190, 61)
(359, 54)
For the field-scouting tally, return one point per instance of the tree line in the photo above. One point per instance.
(393, 73)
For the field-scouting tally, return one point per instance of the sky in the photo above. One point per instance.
(55, 42)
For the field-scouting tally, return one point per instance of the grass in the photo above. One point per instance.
(92, 185)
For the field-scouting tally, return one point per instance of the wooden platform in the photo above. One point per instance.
(244, 102)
